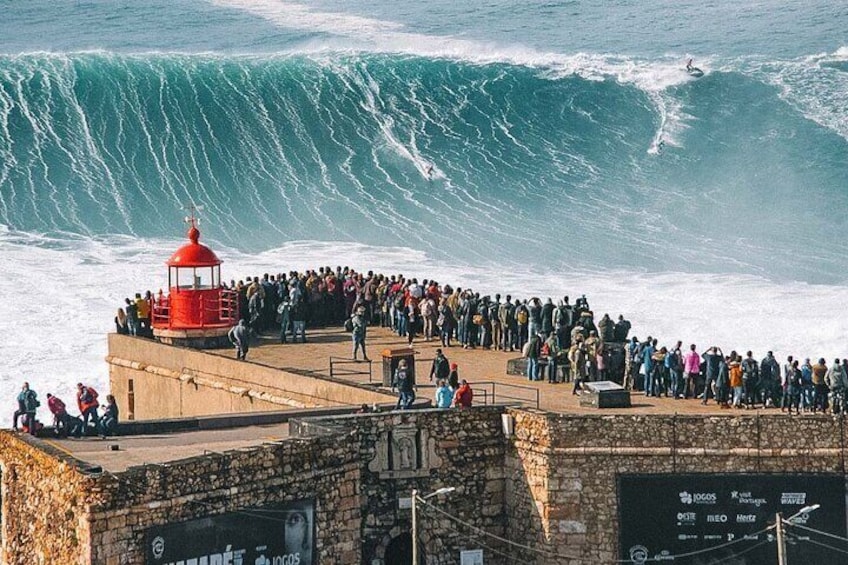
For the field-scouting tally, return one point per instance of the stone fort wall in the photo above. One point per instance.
(551, 485)
(562, 469)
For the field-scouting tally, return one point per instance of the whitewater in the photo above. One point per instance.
(535, 151)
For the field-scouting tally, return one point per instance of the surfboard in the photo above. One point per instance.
(695, 72)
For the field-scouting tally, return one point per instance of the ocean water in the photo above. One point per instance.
(537, 148)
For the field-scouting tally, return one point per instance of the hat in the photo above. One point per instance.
(454, 366)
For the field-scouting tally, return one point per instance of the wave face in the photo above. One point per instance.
(580, 165)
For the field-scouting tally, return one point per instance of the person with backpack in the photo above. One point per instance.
(562, 320)
(87, 403)
(404, 385)
(675, 370)
(522, 319)
(577, 359)
(506, 315)
(27, 407)
(64, 424)
(446, 322)
(358, 325)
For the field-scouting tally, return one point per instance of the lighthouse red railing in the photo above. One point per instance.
(205, 309)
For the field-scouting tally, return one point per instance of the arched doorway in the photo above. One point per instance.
(399, 550)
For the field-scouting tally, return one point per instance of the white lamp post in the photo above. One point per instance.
(781, 540)
(415, 498)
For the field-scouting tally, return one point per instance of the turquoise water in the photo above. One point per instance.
(552, 143)
(569, 134)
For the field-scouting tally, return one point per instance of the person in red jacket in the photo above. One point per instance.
(63, 423)
(463, 396)
(87, 402)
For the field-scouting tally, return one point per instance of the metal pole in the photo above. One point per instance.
(781, 541)
(414, 527)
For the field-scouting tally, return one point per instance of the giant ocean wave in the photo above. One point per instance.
(583, 162)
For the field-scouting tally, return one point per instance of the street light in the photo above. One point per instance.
(781, 540)
(415, 498)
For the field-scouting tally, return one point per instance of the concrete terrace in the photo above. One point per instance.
(474, 365)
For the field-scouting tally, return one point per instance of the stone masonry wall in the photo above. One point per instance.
(324, 469)
(562, 469)
(45, 502)
(465, 450)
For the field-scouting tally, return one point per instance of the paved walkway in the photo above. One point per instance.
(161, 448)
(475, 365)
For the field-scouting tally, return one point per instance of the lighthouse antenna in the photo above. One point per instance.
(193, 219)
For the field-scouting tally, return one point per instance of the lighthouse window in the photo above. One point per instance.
(202, 278)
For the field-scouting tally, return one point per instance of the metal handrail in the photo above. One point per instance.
(501, 392)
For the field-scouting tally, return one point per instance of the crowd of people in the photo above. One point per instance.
(88, 422)
(560, 340)
(736, 381)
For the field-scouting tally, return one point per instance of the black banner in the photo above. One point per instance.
(685, 518)
(272, 535)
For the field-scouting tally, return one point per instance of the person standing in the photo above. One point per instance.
(750, 380)
(403, 384)
(534, 350)
(298, 316)
(820, 389)
(444, 394)
(464, 396)
(132, 317)
(453, 376)
(577, 358)
(788, 375)
(284, 311)
(87, 403)
(359, 329)
(648, 364)
(240, 337)
(712, 363)
(552, 352)
(441, 368)
(495, 321)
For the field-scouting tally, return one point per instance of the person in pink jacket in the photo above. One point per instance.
(692, 369)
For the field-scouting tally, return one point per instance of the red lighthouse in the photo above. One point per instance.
(198, 311)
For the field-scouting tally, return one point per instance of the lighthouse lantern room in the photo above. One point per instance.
(198, 311)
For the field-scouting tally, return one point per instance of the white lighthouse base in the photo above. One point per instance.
(196, 338)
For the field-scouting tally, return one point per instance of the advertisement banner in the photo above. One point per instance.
(271, 535)
(710, 519)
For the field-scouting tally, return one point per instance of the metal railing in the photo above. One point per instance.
(339, 367)
(493, 392)
(225, 308)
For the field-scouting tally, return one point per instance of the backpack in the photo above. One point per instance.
(521, 316)
(348, 325)
(525, 351)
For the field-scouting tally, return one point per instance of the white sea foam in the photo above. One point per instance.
(816, 85)
(62, 294)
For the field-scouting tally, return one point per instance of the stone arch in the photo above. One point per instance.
(425, 539)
